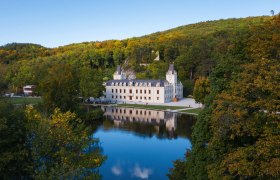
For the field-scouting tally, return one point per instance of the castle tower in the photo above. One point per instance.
(171, 75)
(118, 75)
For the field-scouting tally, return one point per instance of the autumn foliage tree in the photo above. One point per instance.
(36, 146)
(237, 134)
(61, 146)
(60, 87)
(201, 89)
(245, 124)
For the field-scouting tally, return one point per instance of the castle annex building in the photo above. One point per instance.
(148, 91)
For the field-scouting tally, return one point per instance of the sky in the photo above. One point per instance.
(53, 23)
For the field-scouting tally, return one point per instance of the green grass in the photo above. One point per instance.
(193, 111)
(153, 107)
(25, 100)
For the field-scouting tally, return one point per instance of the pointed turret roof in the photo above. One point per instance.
(171, 68)
(119, 70)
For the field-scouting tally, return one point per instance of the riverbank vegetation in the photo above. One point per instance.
(38, 146)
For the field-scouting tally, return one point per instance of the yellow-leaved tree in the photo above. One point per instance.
(201, 89)
(62, 147)
(245, 124)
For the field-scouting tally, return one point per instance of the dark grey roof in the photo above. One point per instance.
(134, 81)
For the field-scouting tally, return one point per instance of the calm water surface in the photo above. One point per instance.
(142, 144)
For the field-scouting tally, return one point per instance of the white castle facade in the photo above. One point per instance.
(148, 91)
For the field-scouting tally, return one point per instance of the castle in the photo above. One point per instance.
(122, 89)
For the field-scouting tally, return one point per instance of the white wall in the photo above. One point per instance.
(123, 94)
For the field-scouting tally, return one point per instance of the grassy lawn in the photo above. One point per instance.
(193, 111)
(25, 100)
(153, 107)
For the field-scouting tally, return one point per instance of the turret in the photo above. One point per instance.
(171, 75)
(118, 75)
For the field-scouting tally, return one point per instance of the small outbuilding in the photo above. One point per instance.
(28, 90)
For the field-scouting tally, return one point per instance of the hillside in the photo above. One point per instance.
(195, 49)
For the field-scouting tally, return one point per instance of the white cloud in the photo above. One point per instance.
(116, 170)
(142, 173)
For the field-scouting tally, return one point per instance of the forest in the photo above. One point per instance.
(231, 66)
(194, 49)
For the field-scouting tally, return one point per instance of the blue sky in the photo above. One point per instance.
(53, 23)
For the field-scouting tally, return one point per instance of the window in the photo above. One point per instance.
(116, 91)
(124, 90)
(112, 97)
(140, 97)
(145, 98)
(157, 91)
(140, 91)
(157, 98)
(120, 97)
(136, 97)
(112, 90)
(145, 92)
(130, 91)
(116, 97)
(136, 91)
(149, 98)
(120, 91)
(149, 91)
(124, 97)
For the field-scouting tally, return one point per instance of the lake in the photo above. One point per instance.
(142, 144)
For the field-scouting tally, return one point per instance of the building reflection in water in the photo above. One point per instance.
(164, 123)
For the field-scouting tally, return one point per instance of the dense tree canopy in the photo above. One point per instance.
(237, 135)
(33, 146)
(195, 49)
